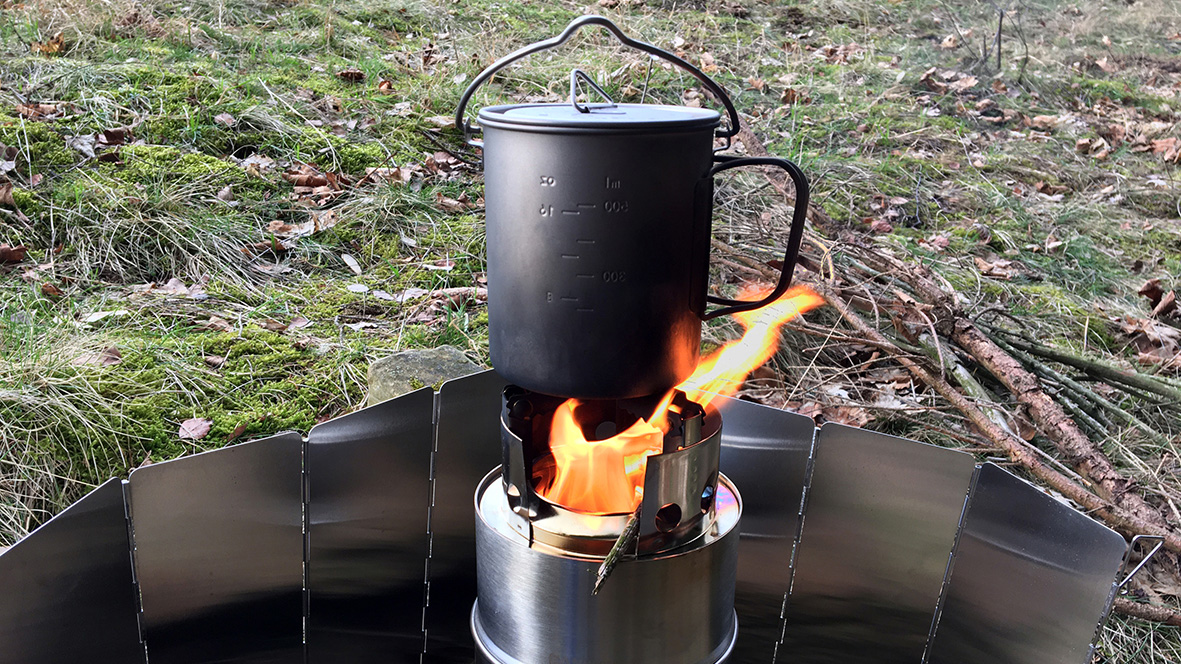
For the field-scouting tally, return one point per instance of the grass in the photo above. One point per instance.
(205, 89)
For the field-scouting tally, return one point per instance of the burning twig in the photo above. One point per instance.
(619, 550)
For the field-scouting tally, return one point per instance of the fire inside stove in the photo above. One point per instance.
(609, 534)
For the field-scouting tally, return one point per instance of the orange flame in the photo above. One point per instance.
(607, 476)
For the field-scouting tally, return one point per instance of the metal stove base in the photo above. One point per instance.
(357, 544)
(488, 653)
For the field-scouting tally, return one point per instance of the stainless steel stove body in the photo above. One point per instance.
(359, 544)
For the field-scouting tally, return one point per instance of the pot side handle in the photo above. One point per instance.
(795, 236)
(469, 132)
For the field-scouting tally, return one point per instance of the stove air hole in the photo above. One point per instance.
(668, 517)
(707, 498)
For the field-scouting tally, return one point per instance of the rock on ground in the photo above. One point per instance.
(409, 370)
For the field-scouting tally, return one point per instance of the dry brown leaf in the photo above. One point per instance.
(708, 65)
(215, 324)
(273, 325)
(455, 205)
(6, 198)
(36, 111)
(792, 96)
(385, 86)
(949, 42)
(103, 358)
(933, 84)
(1106, 65)
(1152, 290)
(880, 226)
(194, 428)
(1167, 305)
(963, 84)
(756, 84)
(9, 254)
(1044, 122)
(214, 361)
(54, 46)
(997, 268)
(236, 433)
(441, 121)
(352, 75)
(51, 290)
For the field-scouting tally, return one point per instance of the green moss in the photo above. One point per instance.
(149, 163)
(356, 157)
(44, 148)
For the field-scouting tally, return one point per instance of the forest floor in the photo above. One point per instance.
(215, 214)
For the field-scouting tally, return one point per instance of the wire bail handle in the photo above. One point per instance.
(470, 132)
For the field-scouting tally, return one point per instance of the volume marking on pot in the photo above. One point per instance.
(569, 255)
(584, 241)
(585, 276)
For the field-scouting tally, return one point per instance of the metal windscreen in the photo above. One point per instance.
(219, 554)
(66, 591)
(765, 453)
(1031, 578)
(368, 476)
(880, 522)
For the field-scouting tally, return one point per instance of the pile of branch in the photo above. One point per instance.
(928, 331)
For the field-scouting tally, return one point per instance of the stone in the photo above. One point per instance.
(409, 370)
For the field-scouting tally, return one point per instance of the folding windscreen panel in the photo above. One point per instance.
(467, 447)
(219, 554)
(1031, 580)
(879, 527)
(368, 476)
(66, 591)
(765, 452)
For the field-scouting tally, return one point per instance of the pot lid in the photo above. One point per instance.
(599, 117)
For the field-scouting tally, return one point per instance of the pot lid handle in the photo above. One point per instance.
(577, 75)
(469, 131)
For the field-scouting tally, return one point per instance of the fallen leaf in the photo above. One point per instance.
(114, 137)
(323, 219)
(949, 42)
(103, 358)
(963, 84)
(410, 294)
(357, 288)
(1106, 65)
(83, 145)
(385, 86)
(50, 290)
(195, 428)
(214, 361)
(225, 119)
(298, 323)
(934, 85)
(352, 264)
(996, 268)
(36, 111)
(215, 324)
(6, 198)
(352, 75)
(1152, 290)
(792, 96)
(707, 63)
(1044, 122)
(1167, 305)
(880, 226)
(756, 84)
(54, 46)
(441, 121)
(461, 204)
(236, 433)
(100, 315)
(226, 193)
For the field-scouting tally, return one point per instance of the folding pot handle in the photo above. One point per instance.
(799, 216)
(469, 131)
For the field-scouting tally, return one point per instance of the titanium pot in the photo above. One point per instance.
(598, 226)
